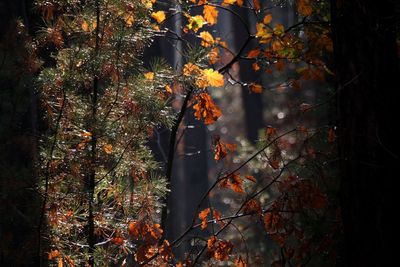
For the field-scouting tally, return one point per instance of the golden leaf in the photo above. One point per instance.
(214, 78)
(207, 39)
(210, 14)
(149, 75)
(159, 16)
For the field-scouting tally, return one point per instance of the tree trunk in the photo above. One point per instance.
(364, 35)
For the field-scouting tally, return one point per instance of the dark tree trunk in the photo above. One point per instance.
(19, 202)
(364, 35)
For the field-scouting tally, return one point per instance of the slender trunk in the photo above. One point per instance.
(92, 174)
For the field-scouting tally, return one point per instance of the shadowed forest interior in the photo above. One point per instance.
(198, 132)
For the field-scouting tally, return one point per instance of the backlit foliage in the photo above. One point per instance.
(102, 190)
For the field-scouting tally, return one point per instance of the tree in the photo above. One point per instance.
(364, 35)
(105, 200)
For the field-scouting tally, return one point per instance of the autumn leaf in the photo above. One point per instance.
(219, 249)
(251, 178)
(129, 19)
(213, 55)
(263, 33)
(118, 241)
(207, 39)
(149, 75)
(239, 262)
(253, 53)
(195, 22)
(85, 26)
(256, 88)
(206, 109)
(221, 148)
(257, 5)
(168, 88)
(228, 2)
(214, 78)
(253, 207)
(190, 69)
(236, 183)
(159, 16)
(108, 148)
(210, 14)
(255, 66)
(304, 8)
(279, 30)
(267, 19)
(203, 217)
(53, 254)
(270, 131)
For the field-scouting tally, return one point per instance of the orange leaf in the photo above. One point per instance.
(257, 5)
(239, 262)
(118, 241)
(253, 207)
(213, 56)
(255, 88)
(53, 254)
(206, 109)
(255, 66)
(304, 7)
(267, 19)
(207, 39)
(251, 178)
(203, 217)
(210, 14)
(159, 16)
(236, 183)
(253, 53)
(108, 148)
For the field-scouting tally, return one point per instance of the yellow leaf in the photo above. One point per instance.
(108, 148)
(168, 88)
(60, 262)
(195, 23)
(214, 78)
(210, 14)
(267, 19)
(207, 39)
(263, 33)
(149, 75)
(229, 2)
(159, 16)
